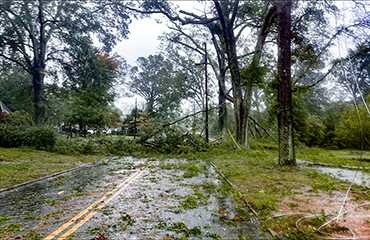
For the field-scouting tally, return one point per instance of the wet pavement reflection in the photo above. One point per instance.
(171, 199)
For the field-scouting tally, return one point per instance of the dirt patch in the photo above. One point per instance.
(315, 204)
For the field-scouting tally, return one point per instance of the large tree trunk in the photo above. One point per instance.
(39, 101)
(241, 109)
(240, 112)
(38, 72)
(284, 89)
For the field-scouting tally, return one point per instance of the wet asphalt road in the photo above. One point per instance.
(129, 199)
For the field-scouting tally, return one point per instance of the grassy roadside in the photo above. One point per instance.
(335, 158)
(272, 189)
(18, 165)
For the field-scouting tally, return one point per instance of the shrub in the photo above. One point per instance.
(17, 119)
(17, 129)
(42, 138)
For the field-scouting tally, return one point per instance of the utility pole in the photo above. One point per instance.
(206, 80)
(205, 62)
(135, 118)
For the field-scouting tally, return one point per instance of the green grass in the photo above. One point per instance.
(335, 158)
(4, 219)
(18, 165)
(259, 179)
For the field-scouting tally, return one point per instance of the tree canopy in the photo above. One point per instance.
(32, 33)
(91, 77)
(158, 81)
(49, 58)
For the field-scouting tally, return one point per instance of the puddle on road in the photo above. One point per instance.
(173, 199)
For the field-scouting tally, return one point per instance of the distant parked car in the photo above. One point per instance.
(63, 130)
(109, 131)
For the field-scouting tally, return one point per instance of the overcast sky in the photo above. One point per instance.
(142, 42)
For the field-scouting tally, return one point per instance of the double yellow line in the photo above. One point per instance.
(93, 208)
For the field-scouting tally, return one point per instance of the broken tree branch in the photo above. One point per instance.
(190, 115)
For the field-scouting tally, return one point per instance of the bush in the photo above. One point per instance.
(42, 138)
(100, 145)
(349, 133)
(17, 129)
(17, 119)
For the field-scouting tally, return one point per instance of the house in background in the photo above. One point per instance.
(3, 109)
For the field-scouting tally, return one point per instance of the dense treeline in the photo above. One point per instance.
(57, 77)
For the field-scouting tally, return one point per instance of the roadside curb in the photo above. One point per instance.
(53, 175)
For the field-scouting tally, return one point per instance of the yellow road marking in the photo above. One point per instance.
(72, 220)
(92, 206)
(85, 219)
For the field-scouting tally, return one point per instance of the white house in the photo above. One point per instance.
(3, 109)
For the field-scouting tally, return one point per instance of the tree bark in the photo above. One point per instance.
(39, 101)
(284, 89)
(221, 59)
(39, 69)
(240, 112)
(222, 111)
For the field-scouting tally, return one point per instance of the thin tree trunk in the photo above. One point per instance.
(221, 59)
(284, 89)
(222, 112)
